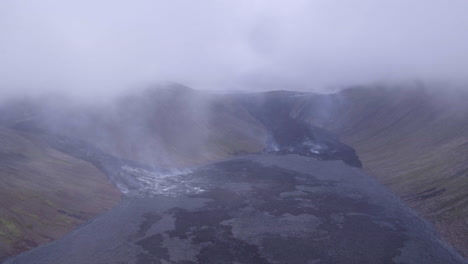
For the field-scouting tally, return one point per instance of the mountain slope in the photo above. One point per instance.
(44, 193)
(166, 127)
(413, 140)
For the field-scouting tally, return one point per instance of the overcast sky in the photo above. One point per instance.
(93, 47)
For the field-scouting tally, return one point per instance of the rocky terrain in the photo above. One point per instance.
(415, 141)
(411, 139)
(254, 209)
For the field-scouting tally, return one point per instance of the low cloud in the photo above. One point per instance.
(97, 48)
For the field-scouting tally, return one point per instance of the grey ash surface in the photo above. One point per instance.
(257, 209)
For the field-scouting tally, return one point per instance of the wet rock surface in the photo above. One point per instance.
(255, 209)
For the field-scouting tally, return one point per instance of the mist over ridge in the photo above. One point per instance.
(243, 131)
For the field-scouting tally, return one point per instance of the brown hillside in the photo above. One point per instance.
(413, 140)
(45, 193)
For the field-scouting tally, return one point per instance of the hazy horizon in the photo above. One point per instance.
(88, 48)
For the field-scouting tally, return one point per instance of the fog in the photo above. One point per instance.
(99, 48)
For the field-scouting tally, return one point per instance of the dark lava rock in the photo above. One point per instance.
(257, 209)
(290, 135)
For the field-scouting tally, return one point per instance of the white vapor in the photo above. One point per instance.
(93, 48)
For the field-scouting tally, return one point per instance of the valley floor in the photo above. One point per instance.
(254, 209)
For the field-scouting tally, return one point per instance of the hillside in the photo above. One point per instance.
(412, 139)
(165, 127)
(44, 193)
